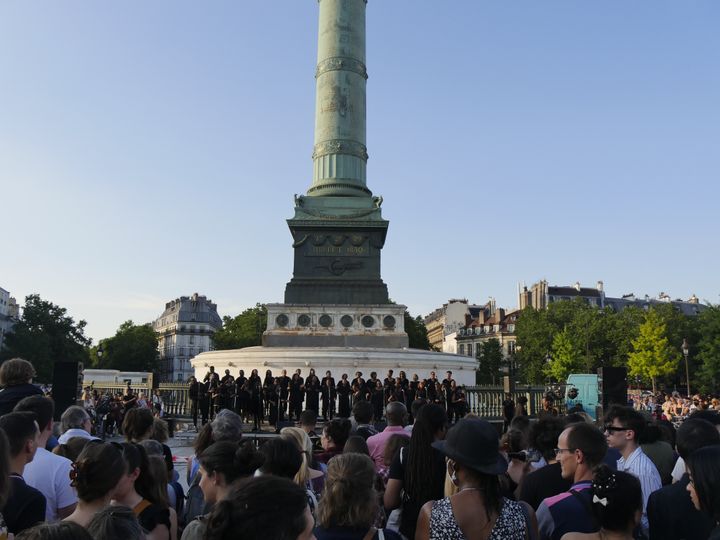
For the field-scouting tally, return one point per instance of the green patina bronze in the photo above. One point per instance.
(338, 229)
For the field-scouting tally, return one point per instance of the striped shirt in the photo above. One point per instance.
(640, 466)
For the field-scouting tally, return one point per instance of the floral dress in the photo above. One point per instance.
(510, 524)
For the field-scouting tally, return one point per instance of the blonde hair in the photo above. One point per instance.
(16, 371)
(302, 440)
(349, 498)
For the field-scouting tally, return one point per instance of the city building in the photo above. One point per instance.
(443, 323)
(489, 323)
(540, 295)
(184, 330)
(9, 314)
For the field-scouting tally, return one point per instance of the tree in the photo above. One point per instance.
(244, 330)
(416, 331)
(652, 355)
(132, 348)
(45, 334)
(490, 356)
(709, 348)
(534, 340)
(565, 359)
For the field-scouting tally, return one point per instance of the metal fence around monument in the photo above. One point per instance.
(483, 401)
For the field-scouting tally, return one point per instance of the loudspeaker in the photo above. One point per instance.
(67, 385)
(612, 386)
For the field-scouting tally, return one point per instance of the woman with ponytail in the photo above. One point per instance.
(95, 475)
(349, 504)
(262, 508)
(221, 464)
(139, 490)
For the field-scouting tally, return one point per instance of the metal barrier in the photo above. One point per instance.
(176, 402)
(486, 401)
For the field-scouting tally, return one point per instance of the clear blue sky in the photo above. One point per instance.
(149, 150)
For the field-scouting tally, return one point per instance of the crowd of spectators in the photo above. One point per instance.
(632, 474)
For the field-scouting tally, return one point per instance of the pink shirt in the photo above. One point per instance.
(376, 444)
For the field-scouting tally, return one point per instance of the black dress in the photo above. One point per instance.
(343, 392)
(312, 394)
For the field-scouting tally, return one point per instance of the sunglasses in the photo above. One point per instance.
(611, 429)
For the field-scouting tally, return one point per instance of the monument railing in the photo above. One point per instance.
(486, 401)
(176, 401)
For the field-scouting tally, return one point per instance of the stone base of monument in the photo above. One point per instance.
(335, 325)
(337, 360)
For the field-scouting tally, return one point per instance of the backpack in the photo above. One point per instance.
(194, 501)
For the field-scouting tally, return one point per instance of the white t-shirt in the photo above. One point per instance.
(50, 474)
(679, 470)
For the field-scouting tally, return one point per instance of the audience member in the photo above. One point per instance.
(48, 472)
(137, 424)
(75, 422)
(671, 513)
(334, 435)
(356, 444)
(623, 428)
(307, 473)
(350, 504)
(281, 457)
(138, 490)
(115, 523)
(548, 480)
(63, 530)
(709, 415)
(16, 377)
(95, 476)
(616, 505)
(396, 415)
(704, 486)
(25, 506)
(4, 479)
(417, 473)
(660, 452)
(477, 510)
(220, 465)
(262, 508)
(581, 447)
(362, 412)
(72, 448)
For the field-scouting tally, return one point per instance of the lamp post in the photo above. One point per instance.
(99, 352)
(686, 353)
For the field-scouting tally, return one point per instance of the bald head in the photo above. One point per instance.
(395, 412)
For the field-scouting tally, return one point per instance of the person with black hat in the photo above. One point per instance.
(474, 462)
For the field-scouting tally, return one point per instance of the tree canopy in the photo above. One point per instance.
(652, 356)
(244, 330)
(490, 357)
(132, 348)
(45, 334)
(416, 331)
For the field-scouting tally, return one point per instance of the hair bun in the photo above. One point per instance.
(604, 481)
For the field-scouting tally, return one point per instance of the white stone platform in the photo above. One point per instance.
(337, 360)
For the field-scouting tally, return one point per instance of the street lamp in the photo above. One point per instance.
(686, 352)
(99, 352)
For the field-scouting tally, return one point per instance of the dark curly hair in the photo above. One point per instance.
(617, 497)
(262, 508)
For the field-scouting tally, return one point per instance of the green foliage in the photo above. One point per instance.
(132, 348)
(490, 356)
(244, 330)
(45, 335)
(416, 331)
(709, 349)
(565, 359)
(652, 355)
(534, 339)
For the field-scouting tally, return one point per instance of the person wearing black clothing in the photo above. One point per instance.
(389, 381)
(508, 407)
(268, 392)
(458, 402)
(358, 388)
(16, 377)
(411, 393)
(25, 505)
(193, 396)
(312, 392)
(343, 392)
(283, 382)
(272, 397)
(226, 390)
(297, 395)
(671, 512)
(547, 481)
(370, 385)
(204, 400)
(431, 388)
(254, 385)
(328, 398)
(421, 392)
(447, 392)
(241, 395)
(378, 400)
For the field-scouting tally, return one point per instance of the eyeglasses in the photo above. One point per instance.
(610, 428)
(561, 450)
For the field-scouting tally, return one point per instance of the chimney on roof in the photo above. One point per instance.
(600, 286)
(694, 299)
(577, 286)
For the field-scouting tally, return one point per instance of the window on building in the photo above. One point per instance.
(511, 327)
(470, 349)
(461, 349)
